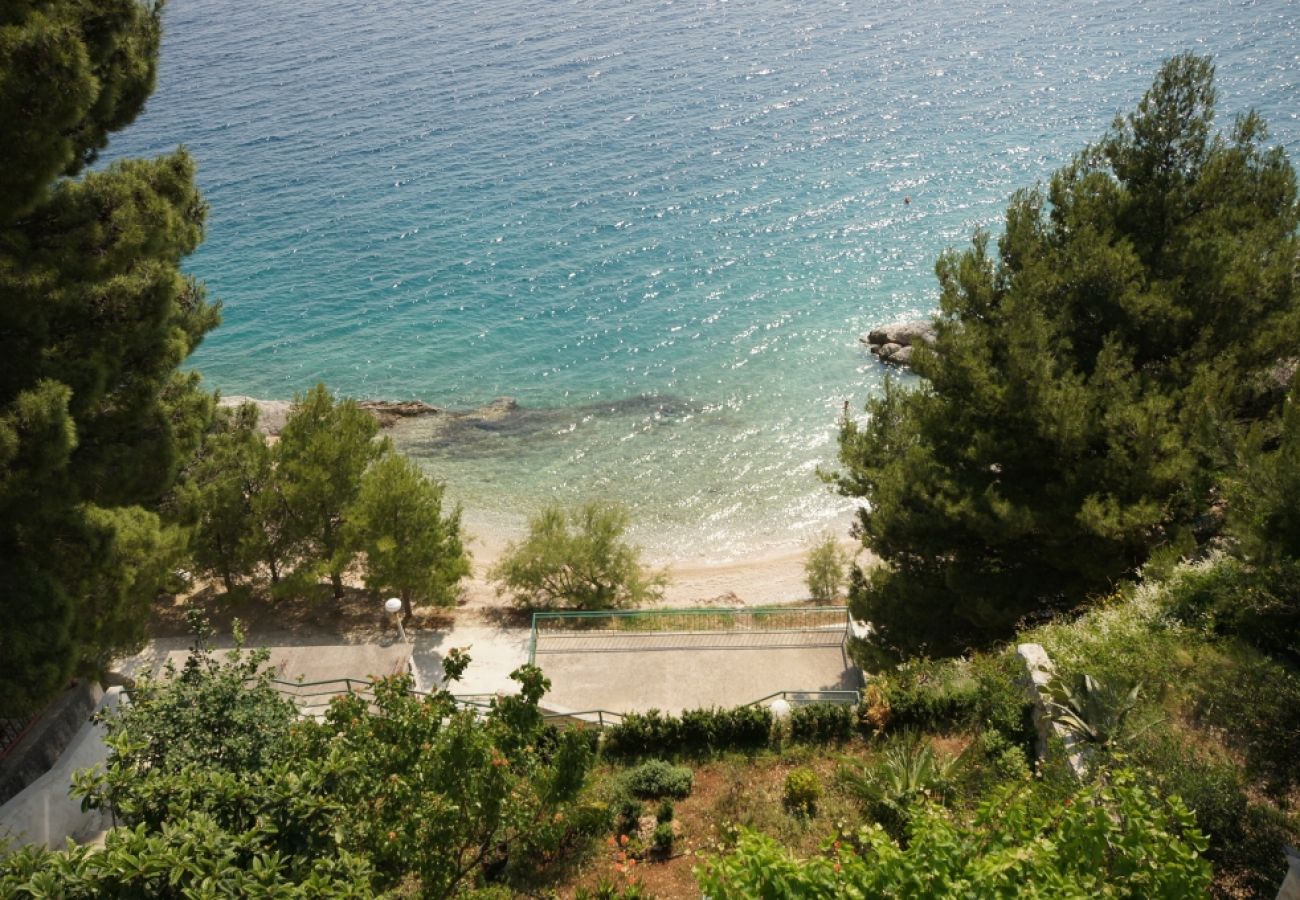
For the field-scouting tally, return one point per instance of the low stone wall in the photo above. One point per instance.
(43, 744)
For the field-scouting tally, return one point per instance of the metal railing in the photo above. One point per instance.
(312, 698)
(799, 698)
(689, 621)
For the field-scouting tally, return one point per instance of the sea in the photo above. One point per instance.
(660, 226)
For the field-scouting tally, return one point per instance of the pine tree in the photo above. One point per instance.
(412, 549)
(221, 495)
(95, 319)
(1089, 378)
(323, 452)
(1264, 517)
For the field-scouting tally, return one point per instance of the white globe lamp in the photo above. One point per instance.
(393, 605)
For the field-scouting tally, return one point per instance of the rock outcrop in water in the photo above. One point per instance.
(893, 343)
(272, 414)
(389, 412)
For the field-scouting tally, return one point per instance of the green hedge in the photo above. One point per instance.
(822, 723)
(696, 732)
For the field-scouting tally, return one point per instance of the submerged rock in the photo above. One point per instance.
(390, 411)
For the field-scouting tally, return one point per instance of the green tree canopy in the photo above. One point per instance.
(1089, 377)
(221, 495)
(411, 548)
(1264, 517)
(577, 558)
(324, 450)
(95, 319)
(219, 789)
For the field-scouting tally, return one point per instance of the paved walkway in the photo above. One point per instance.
(494, 651)
(292, 657)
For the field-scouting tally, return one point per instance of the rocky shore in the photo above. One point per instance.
(272, 414)
(893, 343)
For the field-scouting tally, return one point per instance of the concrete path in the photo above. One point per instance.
(292, 657)
(494, 650)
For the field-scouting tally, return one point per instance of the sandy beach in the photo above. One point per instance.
(768, 577)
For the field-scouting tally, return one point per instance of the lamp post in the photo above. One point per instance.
(394, 606)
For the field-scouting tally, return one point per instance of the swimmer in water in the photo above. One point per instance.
(907, 201)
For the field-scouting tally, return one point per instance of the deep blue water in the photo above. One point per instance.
(661, 226)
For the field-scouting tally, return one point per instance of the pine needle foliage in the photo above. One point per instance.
(96, 319)
(1094, 370)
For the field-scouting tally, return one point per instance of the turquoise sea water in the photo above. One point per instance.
(661, 226)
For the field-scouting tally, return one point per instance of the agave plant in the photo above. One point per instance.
(906, 772)
(1096, 710)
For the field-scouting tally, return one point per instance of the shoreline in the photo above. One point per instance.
(771, 577)
(768, 573)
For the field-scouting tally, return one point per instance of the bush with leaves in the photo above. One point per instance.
(821, 723)
(906, 775)
(204, 726)
(1097, 711)
(801, 792)
(929, 694)
(697, 732)
(577, 559)
(656, 778)
(402, 790)
(1110, 839)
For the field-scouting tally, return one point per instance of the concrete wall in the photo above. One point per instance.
(43, 812)
(47, 738)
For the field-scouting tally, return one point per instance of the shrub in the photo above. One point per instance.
(662, 842)
(627, 811)
(665, 812)
(1246, 837)
(656, 778)
(824, 568)
(644, 734)
(1096, 711)
(1118, 839)
(803, 790)
(989, 761)
(907, 774)
(874, 713)
(931, 695)
(821, 723)
(698, 732)
(577, 559)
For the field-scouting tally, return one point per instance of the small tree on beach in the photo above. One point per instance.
(825, 568)
(412, 549)
(577, 559)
